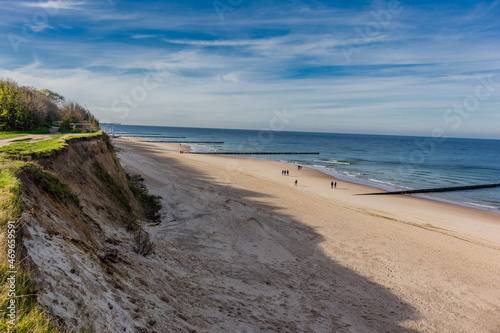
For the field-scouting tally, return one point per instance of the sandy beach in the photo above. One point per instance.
(245, 250)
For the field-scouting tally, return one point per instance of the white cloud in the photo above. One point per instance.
(141, 36)
(56, 4)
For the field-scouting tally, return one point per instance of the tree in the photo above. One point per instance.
(15, 113)
(53, 96)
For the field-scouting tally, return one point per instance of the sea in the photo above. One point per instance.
(383, 161)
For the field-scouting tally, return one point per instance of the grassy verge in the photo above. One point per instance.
(16, 287)
(9, 135)
(40, 149)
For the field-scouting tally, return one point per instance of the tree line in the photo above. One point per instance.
(26, 108)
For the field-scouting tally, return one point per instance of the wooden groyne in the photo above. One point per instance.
(433, 190)
(155, 136)
(254, 153)
(170, 141)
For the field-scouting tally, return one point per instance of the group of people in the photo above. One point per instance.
(287, 173)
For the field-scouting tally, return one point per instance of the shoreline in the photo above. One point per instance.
(463, 213)
(399, 264)
(372, 184)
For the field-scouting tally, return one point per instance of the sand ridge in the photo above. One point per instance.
(266, 255)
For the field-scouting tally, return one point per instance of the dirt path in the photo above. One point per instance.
(38, 137)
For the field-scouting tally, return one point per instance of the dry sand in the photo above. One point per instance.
(245, 250)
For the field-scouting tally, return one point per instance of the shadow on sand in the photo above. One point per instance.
(314, 292)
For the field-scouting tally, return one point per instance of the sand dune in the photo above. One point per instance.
(244, 250)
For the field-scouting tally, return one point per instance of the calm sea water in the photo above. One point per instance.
(387, 162)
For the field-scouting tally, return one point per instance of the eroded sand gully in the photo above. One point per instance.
(241, 249)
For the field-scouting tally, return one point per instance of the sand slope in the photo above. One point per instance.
(242, 249)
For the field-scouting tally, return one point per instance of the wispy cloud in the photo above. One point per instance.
(56, 4)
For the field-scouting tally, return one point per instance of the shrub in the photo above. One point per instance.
(150, 204)
(142, 243)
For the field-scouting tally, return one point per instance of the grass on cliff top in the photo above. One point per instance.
(9, 135)
(40, 149)
(29, 318)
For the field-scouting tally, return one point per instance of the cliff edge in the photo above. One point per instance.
(79, 230)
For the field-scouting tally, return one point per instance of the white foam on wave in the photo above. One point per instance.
(482, 206)
(198, 148)
(333, 162)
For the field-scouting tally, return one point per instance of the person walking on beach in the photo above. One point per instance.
(287, 173)
(332, 184)
(295, 182)
(335, 184)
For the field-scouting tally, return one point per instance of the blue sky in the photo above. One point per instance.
(383, 67)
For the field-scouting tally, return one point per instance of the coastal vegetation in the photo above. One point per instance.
(151, 204)
(28, 109)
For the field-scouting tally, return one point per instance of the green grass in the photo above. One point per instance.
(89, 135)
(10, 203)
(9, 135)
(40, 149)
(19, 140)
(37, 150)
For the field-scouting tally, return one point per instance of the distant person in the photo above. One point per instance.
(287, 173)
(332, 184)
(295, 182)
(335, 185)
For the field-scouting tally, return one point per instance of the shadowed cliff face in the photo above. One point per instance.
(73, 245)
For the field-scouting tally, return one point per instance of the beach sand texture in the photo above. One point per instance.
(241, 249)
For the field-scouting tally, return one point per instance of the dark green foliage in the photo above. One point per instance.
(15, 114)
(151, 204)
(51, 184)
(26, 108)
(109, 186)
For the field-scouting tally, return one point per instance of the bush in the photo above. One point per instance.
(15, 114)
(142, 243)
(150, 204)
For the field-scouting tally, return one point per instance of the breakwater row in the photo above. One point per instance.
(440, 189)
